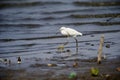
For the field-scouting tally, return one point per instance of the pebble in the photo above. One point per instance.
(92, 44)
(51, 65)
(118, 69)
(107, 46)
(75, 64)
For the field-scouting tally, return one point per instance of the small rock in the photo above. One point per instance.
(118, 69)
(107, 46)
(104, 57)
(92, 44)
(107, 76)
(75, 64)
(67, 50)
(51, 65)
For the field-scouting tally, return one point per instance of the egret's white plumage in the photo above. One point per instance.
(69, 32)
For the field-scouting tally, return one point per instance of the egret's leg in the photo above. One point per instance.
(76, 45)
(61, 47)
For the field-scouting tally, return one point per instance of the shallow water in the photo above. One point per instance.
(28, 27)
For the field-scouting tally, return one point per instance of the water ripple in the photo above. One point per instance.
(78, 3)
(7, 4)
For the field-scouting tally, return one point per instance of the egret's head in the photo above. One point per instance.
(62, 28)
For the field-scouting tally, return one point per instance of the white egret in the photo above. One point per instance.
(72, 33)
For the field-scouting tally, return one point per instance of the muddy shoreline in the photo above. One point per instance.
(61, 70)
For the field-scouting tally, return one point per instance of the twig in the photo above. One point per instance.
(100, 49)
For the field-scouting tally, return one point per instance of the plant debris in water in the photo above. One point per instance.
(94, 71)
(72, 75)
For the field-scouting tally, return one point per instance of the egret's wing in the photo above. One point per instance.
(73, 32)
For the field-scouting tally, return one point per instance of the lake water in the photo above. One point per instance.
(28, 27)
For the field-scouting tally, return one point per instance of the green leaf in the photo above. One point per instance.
(72, 75)
(94, 71)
